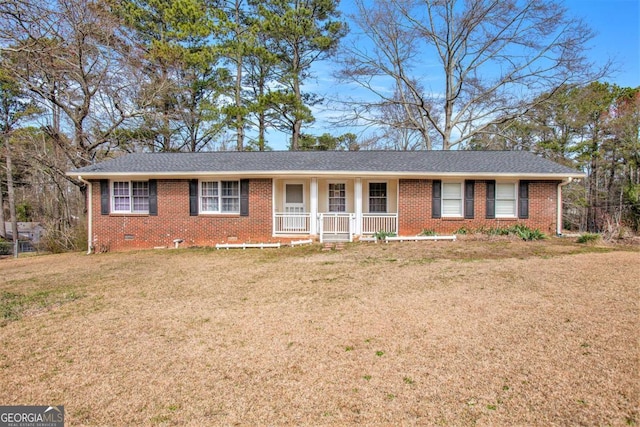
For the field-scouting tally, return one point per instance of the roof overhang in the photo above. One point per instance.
(322, 174)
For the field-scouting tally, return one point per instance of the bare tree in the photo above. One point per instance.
(483, 62)
(69, 57)
(3, 228)
(12, 198)
(14, 110)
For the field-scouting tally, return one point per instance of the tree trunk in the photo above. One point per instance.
(3, 229)
(12, 200)
(592, 196)
(262, 125)
(238, 88)
(297, 121)
(239, 115)
(295, 138)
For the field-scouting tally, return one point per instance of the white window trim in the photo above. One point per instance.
(304, 192)
(461, 199)
(130, 196)
(346, 193)
(514, 214)
(219, 197)
(369, 196)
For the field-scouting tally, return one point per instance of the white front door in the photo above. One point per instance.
(294, 204)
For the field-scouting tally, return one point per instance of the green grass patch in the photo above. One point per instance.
(14, 305)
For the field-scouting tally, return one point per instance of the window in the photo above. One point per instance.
(209, 201)
(220, 197)
(505, 200)
(294, 194)
(378, 197)
(451, 199)
(130, 196)
(337, 197)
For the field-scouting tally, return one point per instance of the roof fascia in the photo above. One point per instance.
(333, 174)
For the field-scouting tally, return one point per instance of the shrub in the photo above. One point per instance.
(64, 239)
(6, 248)
(463, 230)
(426, 232)
(526, 233)
(588, 238)
(520, 230)
(381, 235)
(495, 231)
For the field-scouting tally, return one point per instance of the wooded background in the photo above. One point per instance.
(82, 81)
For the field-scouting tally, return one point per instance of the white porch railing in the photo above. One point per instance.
(374, 222)
(292, 223)
(336, 226)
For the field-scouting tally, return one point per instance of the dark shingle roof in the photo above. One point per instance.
(404, 162)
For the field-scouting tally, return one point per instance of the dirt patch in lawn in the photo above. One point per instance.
(436, 333)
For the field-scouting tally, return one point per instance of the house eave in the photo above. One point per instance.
(319, 174)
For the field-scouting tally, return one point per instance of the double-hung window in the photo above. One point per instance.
(130, 197)
(378, 197)
(337, 197)
(452, 199)
(506, 200)
(220, 197)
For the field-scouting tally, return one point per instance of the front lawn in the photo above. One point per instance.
(498, 332)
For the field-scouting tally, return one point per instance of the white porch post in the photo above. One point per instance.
(274, 208)
(313, 207)
(358, 206)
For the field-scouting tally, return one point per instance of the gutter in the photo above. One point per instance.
(90, 214)
(334, 173)
(559, 204)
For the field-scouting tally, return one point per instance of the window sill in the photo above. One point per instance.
(219, 215)
(452, 218)
(129, 214)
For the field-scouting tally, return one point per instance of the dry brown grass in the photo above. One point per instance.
(449, 333)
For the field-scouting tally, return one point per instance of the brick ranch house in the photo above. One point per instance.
(148, 200)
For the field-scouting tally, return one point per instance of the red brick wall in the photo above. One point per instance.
(173, 221)
(414, 209)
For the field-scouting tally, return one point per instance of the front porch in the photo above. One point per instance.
(335, 210)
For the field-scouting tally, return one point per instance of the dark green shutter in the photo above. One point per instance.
(436, 199)
(491, 199)
(469, 194)
(153, 197)
(523, 200)
(193, 197)
(244, 197)
(105, 197)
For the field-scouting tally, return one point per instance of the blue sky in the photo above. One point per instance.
(615, 22)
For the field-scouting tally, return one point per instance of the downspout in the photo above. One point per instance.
(89, 214)
(559, 204)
